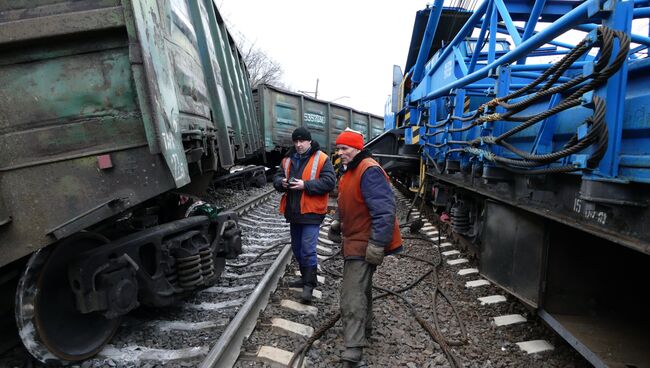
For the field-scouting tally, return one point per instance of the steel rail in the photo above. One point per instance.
(252, 203)
(226, 350)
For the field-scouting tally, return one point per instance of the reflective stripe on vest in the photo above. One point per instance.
(316, 203)
(314, 167)
(287, 163)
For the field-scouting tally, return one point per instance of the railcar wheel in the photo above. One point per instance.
(49, 324)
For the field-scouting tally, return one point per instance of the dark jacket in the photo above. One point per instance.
(321, 185)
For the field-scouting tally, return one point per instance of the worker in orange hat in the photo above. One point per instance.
(368, 222)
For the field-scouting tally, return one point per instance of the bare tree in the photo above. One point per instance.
(261, 68)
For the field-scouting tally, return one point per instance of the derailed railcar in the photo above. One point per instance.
(112, 114)
(540, 167)
(281, 111)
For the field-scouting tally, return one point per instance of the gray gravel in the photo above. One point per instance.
(398, 339)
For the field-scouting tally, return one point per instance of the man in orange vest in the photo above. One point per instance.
(306, 176)
(366, 206)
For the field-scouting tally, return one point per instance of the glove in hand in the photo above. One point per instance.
(374, 253)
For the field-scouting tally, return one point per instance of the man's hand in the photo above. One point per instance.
(297, 184)
(374, 253)
(334, 233)
(285, 183)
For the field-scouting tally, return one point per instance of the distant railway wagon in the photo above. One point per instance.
(281, 111)
(111, 114)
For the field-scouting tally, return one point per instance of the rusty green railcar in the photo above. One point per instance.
(107, 107)
(281, 111)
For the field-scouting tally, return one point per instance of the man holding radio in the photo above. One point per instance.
(306, 176)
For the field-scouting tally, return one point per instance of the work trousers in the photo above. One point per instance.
(356, 302)
(304, 238)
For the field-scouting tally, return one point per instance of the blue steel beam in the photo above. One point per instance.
(614, 94)
(634, 37)
(520, 10)
(481, 38)
(641, 13)
(425, 46)
(532, 22)
(494, 20)
(555, 29)
(551, 42)
(541, 67)
(460, 37)
(512, 30)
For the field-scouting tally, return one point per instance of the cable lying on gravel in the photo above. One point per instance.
(299, 355)
(274, 246)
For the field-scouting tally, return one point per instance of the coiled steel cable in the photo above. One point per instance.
(597, 134)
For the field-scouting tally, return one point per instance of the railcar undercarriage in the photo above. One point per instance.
(94, 278)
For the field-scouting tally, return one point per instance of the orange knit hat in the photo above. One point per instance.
(350, 138)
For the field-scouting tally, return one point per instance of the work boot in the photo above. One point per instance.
(298, 282)
(310, 280)
(352, 355)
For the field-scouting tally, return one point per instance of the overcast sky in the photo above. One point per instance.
(349, 45)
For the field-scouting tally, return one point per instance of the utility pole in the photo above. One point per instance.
(315, 92)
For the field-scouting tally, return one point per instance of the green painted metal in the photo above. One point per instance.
(213, 78)
(161, 91)
(223, 59)
(136, 81)
(281, 111)
(238, 88)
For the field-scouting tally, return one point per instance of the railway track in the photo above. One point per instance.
(446, 314)
(184, 335)
(231, 323)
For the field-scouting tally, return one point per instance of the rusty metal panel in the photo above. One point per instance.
(238, 85)
(66, 196)
(284, 117)
(218, 44)
(315, 117)
(150, 25)
(361, 123)
(339, 120)
(63, 104)
(376, 126)
(62, 24)
(60, 108)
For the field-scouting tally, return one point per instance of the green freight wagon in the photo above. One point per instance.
(110, 110)
(281, 111)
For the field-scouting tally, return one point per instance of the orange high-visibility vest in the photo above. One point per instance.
(309, 203)
(355, 215)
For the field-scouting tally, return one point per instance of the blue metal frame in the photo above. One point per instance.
(455, 72)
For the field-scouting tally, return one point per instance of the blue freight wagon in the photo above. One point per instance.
(527, 126)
